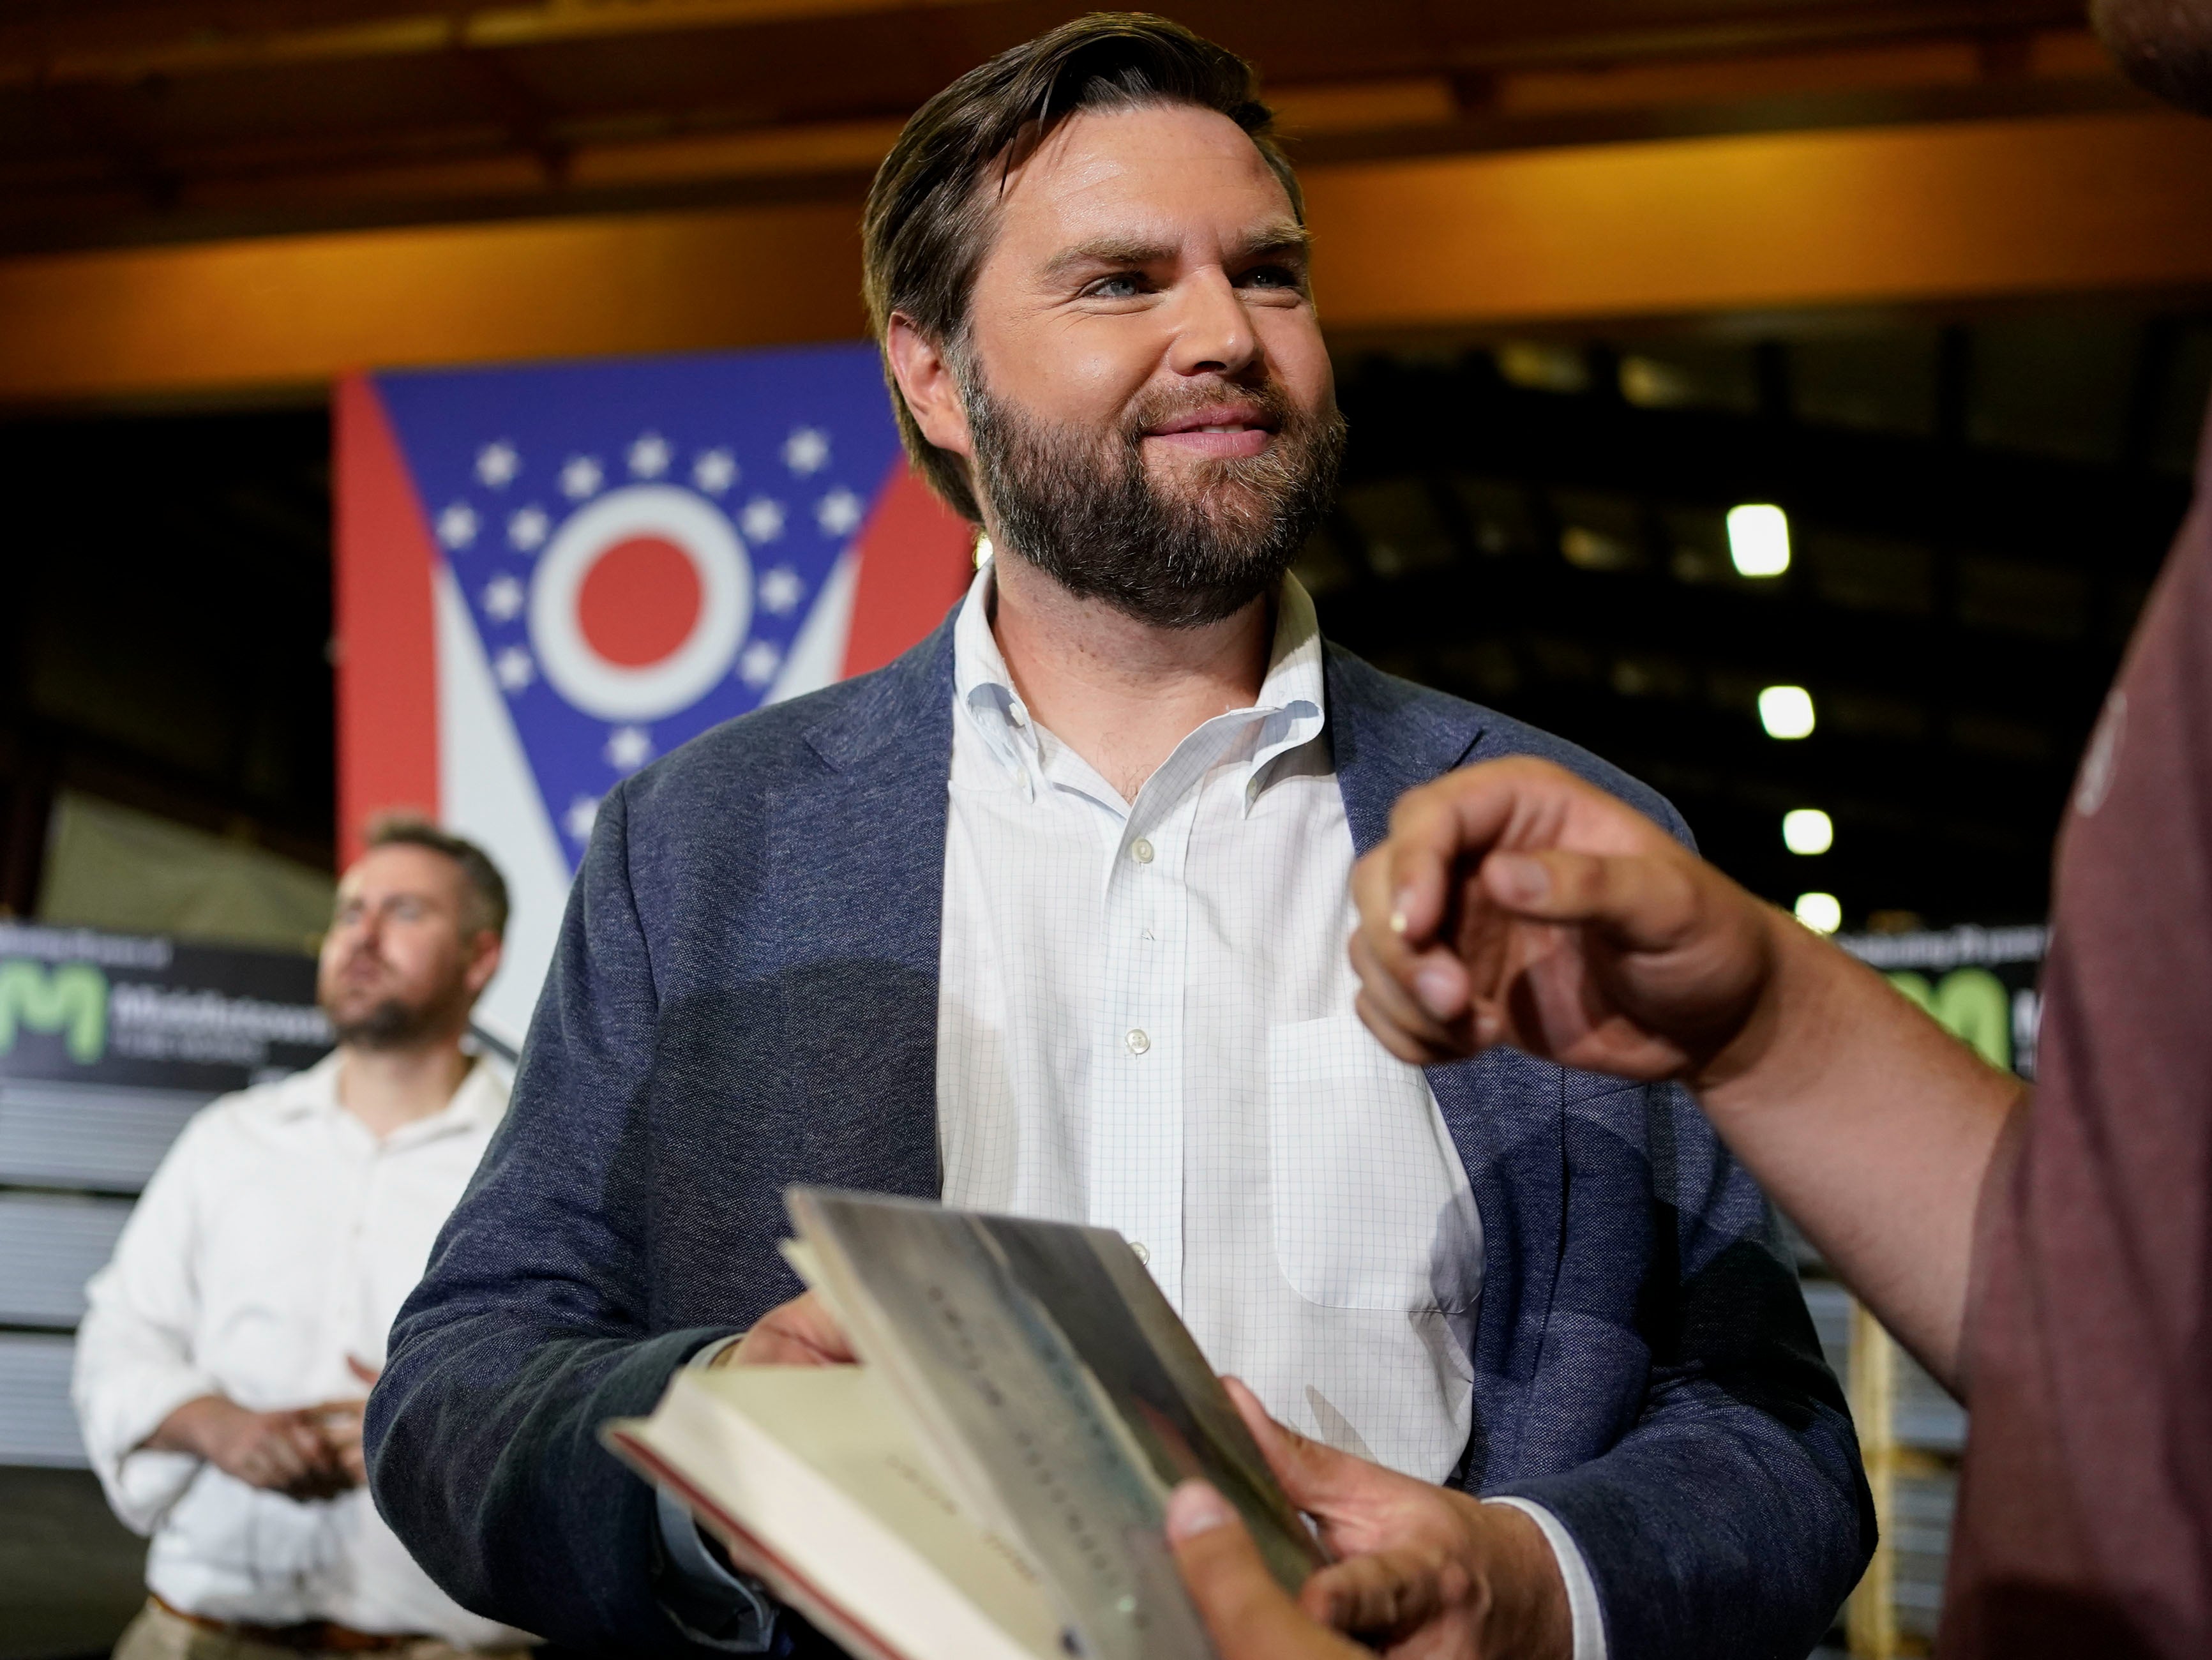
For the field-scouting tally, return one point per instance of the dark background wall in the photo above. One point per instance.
(163, 643)
(1977, 507)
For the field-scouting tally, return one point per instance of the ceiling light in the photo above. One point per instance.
(1807, 829)
(1823, 913)
(1786, 711)
(1759, 539)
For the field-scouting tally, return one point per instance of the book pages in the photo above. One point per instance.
(1074, 1459)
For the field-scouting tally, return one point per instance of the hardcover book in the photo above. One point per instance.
(991, 1482)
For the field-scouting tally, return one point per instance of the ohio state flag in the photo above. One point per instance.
(547, 576)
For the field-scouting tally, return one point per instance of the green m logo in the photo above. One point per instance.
(70, 998)
(1972, 1005)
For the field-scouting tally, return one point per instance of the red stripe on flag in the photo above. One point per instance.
(387, 670)
(917, 556)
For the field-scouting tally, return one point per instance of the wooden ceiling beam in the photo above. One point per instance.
(527, 160)
(127, 44)
(1952, 215)
(164, 42)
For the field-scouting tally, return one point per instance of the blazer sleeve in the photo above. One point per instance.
(1733, 1517)
(531, 1326)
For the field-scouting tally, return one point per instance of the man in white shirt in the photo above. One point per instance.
(225, 1359)
(1050, 916)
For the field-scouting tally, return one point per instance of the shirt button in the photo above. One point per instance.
(1143, 1256)
(1136, 1041)
(1142, 851)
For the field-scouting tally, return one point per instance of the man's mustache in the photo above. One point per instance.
(1160, 408)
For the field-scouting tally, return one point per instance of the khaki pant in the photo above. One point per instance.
(158, 1634)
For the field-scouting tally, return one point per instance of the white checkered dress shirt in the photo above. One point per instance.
(1144, 1022)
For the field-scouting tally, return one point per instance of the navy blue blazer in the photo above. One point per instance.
(745, 995)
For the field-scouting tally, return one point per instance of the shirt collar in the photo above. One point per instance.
(478, 1104)
(1291, 709)
(1292, 697)
(315, 1089)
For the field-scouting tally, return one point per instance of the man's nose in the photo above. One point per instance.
(1213, 332)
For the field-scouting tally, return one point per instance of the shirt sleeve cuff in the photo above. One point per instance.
(1589, 1621)
(141, 1484)
(711, 1603)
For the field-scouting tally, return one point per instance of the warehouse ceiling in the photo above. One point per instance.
(126, 120)
(1979, 491)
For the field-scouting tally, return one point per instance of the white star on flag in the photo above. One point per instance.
(838, 513)
(526, 529)
(806, 450)
(779, 591)
(457, 526)
(762, 520)
(715, 471)
(579, 477)
(628, 748)
(758, 662)
(649, 456)
(513, 669)
(583, 813)
(497, 463)
(502, 598)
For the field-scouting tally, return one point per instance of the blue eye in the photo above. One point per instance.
(1125, 285)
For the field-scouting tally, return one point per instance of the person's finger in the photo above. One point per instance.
(1395, 1002)
(1381, 951)
(1394, 1038)
(1644, 901)
(799, 1333)
(342, 1427)
(1378, 903)
(1407, 891)
(325, 1432)
(1247, 1614)
(1315, 1477)
(1462, 816)
(363, 1369)
(277, 1454)
(1383, 1591)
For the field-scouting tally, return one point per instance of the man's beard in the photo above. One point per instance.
(396, 1023)
(1085, 511)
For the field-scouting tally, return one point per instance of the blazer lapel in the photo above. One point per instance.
(1506, 1114)
(857, 862)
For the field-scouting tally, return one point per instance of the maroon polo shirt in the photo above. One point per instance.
(2085, 1517)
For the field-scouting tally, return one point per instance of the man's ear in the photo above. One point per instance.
(488, 948)
(927, 383)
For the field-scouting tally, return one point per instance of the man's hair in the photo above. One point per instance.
(928, 224)
(485, 906)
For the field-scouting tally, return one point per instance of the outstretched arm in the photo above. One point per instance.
(1513, 903)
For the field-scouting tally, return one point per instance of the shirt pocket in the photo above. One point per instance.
(1370, 1206)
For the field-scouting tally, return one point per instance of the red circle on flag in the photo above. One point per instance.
(639, 601)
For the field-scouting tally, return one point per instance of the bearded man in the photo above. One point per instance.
(225, 1358)
(1049, 917)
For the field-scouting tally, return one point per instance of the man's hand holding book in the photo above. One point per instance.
(1422, 1571)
